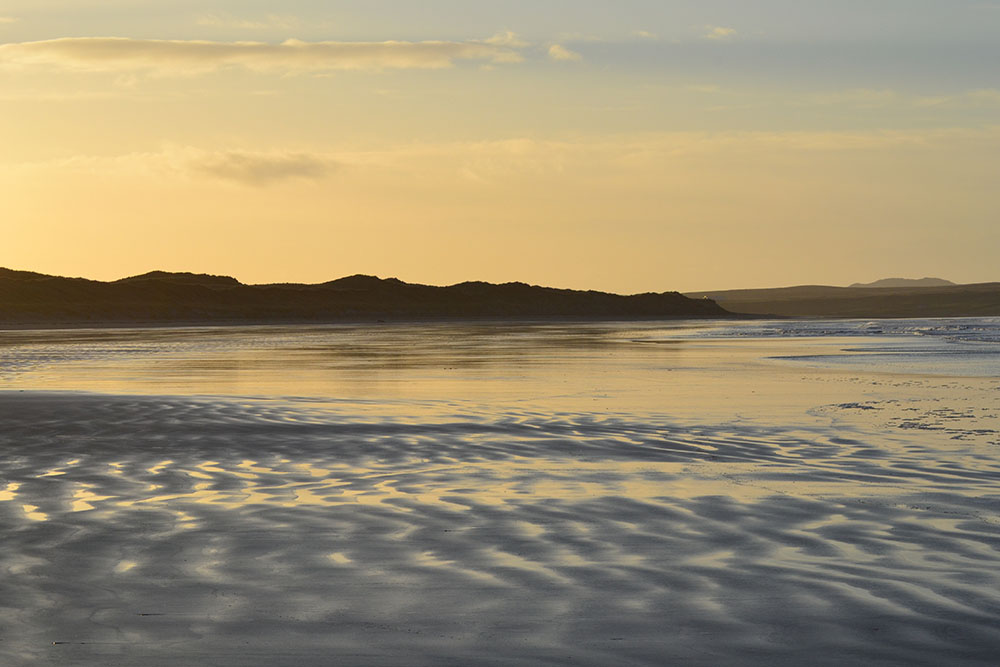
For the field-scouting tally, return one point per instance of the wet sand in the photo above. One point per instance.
(567, 496)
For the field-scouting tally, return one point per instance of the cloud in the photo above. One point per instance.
(720, 33)
(488, 161)
(262, 169)
(271, 21)
(507, 38)
(645, 34)
(187, 164)
(970, 99)
(37, 95)
(561, 53)
(985, 95)
(858, 98)
(878, 99)
(8, 19)
(117, 54)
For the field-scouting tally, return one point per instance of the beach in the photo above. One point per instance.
(696, 493)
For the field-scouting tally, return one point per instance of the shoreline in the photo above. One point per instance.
(388, 320)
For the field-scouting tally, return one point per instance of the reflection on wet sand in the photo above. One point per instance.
(165, 531)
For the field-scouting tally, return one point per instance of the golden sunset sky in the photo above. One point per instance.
(636, 145)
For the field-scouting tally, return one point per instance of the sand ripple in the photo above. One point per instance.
(165, 531)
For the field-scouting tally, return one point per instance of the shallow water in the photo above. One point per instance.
(691, 493)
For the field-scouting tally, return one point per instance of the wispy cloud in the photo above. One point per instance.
(514, 162)
(561, 53)
(261, 169)
(719, 32)
(507, 38)
(8, 19)
(645, 34)
(271, 21)
(188, 164)
(859, 98)
(984, 95)
(115, 54)
(981, 98)
(878, 99)
(37, 95)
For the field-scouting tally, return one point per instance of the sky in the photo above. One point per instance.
(627, 146)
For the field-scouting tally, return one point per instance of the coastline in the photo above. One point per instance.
(43, 325)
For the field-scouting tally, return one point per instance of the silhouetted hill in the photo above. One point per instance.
(159, 297)
(907, 282)
(183, 279)
(820, 301)
(10, 274)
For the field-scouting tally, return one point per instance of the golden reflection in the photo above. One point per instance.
(125, 566)
(84, 498)
(512, 560)
(314, 471)
(428, 559)
(255, 467)
(31, 511)
(183, 488)
(212, 466)
(462, 487)
(155, 470)
(61, 470)
(305, 496)
(185, 520)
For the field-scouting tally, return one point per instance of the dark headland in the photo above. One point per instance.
(907, 282)
(161, 298)
(893, 297)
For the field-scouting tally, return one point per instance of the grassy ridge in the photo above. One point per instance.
(159, 297)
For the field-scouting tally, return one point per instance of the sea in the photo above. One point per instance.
(760, 492)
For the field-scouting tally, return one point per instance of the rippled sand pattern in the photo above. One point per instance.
(187, 531)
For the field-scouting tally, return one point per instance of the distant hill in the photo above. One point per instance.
(159, 297)
(183, 279)
(906, 282)
(981, 299)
